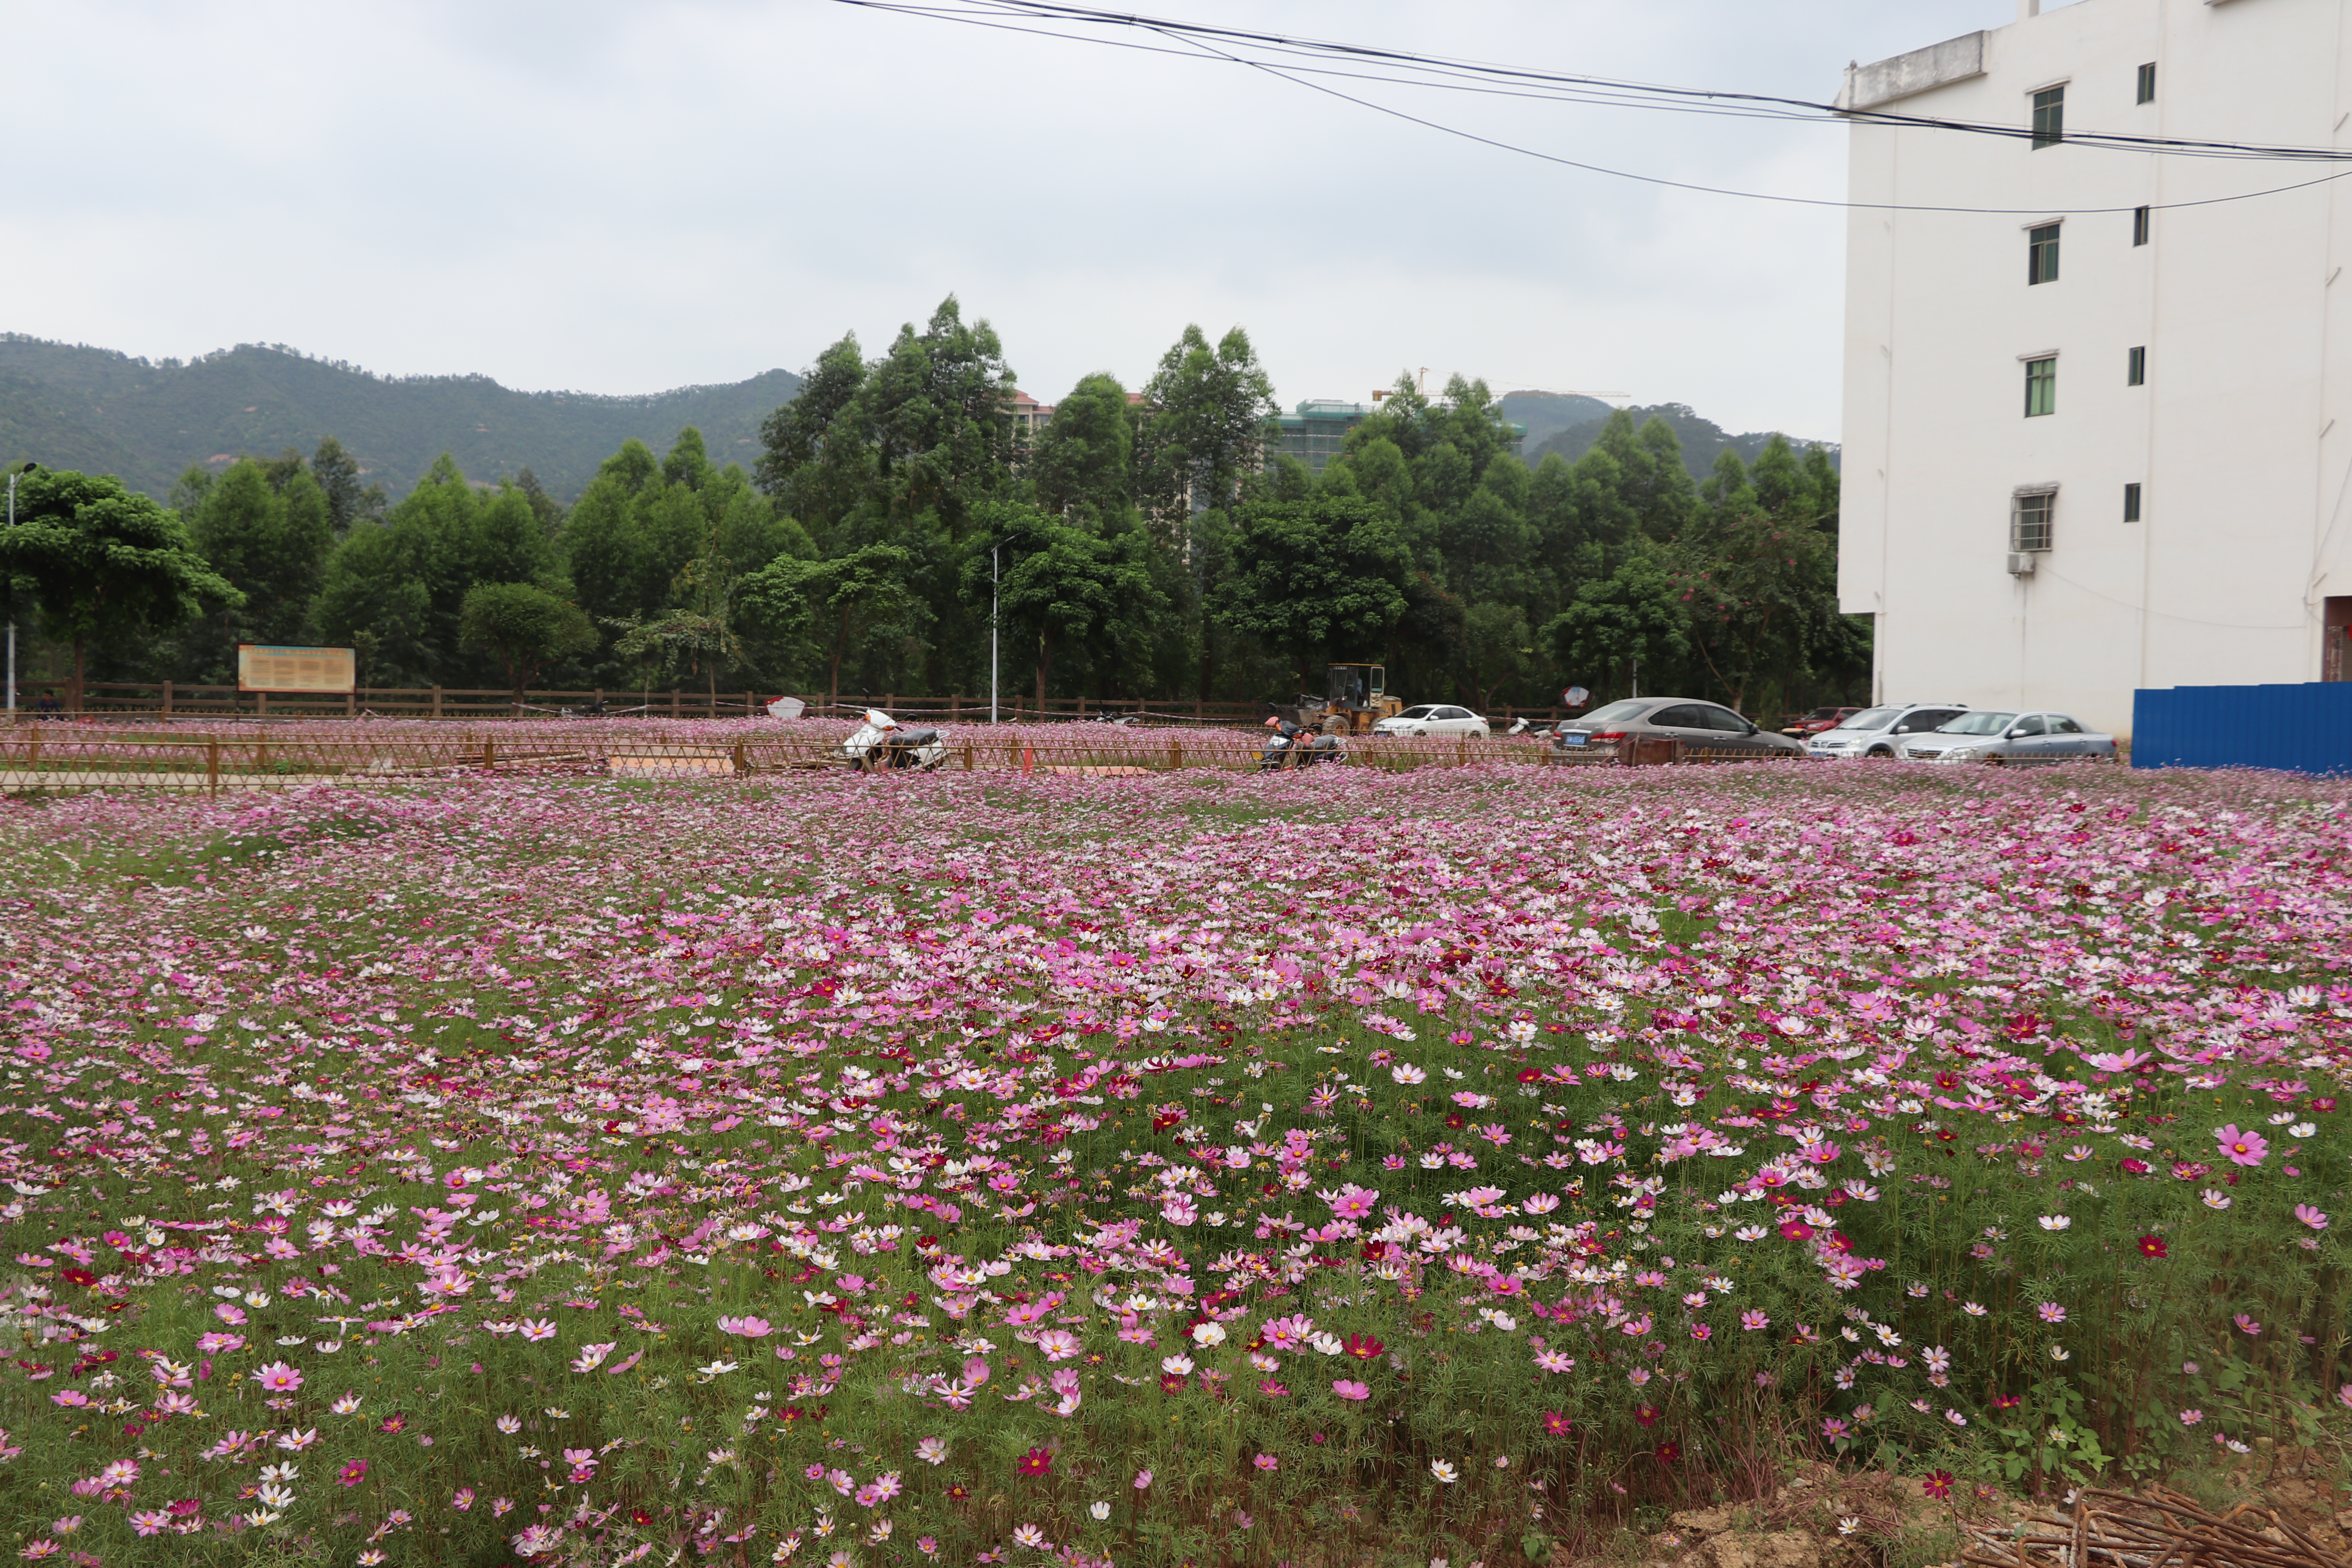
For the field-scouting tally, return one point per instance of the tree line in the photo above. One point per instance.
(1139, 546)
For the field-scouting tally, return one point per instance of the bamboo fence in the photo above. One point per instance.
(43, 756)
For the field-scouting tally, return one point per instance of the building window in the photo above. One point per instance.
(2041, 254)
(2131, 504)
(2147, 82)
(2139, 226)
(2135, 368)
(2049, 117)
(2040, 386)
(2029, 524)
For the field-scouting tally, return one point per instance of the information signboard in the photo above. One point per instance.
(262, 668)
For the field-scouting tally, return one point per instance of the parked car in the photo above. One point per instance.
(1877, 731)
(2016, 739)
(1432, 718)
(1815, 723)
(1702, 725)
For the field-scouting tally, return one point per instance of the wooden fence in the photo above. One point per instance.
(178, 702)
(40, 756)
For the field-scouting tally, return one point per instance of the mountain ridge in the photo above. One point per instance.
(73, 406)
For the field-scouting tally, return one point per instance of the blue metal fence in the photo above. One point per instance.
(2304, 728)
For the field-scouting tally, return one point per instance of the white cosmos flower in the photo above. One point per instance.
(2055, 1221)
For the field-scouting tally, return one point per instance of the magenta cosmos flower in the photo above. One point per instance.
(2242, 1148)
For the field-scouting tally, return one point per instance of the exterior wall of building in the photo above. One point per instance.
(2244, 532)
(1316, 432)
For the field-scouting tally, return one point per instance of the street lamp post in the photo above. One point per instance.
(992, 551)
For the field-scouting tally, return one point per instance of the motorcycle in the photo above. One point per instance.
(881, 742)
(1291, 746)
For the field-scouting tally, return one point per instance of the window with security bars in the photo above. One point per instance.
(2131, 504)
(2041, 254)
(2028, 520)
(2040, 386)
(2049, 117)
(2136, 367)
(2139, 226)
(2147, 82)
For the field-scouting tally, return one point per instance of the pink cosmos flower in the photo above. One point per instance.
(279, 1378)
(1267, 1462)
(1347, 1388)
(2191, 1417)
(1288, 1333)
(1752, 1320)
(2242, 1148)
(2310, 1216)
(749, 1327)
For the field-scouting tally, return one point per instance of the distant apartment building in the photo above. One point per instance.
(1029, 416)
(1318, 430)
(2091, 430)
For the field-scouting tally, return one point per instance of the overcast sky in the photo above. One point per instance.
(625, 196)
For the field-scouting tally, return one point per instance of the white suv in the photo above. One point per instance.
(1875, 732)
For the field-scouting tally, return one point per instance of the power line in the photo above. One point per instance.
(1607, 89)
(994, 13)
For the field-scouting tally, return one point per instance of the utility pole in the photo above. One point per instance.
(991, 627)
(29, 467)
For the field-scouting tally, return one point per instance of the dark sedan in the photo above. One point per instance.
(1700, 726)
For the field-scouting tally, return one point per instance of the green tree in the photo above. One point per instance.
(1499, 647)
(1066, 584)
(1324, 575)
(272, 541)
(797, 459)
(394, 593)
(840, 601)
(100, 561)
(523, 626)
(1084, 463)
(1209, 418)
(1761, 575)
(338, 474)
(1619, 628)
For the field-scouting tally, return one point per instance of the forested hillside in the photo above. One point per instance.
(1703, 440)
(1136, 547)
(70, 406)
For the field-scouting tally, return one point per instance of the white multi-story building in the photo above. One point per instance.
(2092, 432)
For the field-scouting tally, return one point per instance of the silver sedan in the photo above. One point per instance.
(2013, 739)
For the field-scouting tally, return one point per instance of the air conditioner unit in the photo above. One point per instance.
(2020, 563)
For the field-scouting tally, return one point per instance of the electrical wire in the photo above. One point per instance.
(1604, 89)
(995, 16)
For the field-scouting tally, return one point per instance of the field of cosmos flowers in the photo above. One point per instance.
(1313, 1168)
